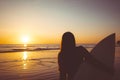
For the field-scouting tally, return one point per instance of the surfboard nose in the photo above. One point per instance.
(104, 51)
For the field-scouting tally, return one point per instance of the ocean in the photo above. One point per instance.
(33, 47)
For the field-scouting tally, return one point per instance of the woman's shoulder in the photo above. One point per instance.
(59, 53)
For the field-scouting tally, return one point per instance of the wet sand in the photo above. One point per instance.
(39, 65)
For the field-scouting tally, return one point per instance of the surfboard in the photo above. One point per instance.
(104, 52)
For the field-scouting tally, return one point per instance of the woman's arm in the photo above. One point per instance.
(84, 53)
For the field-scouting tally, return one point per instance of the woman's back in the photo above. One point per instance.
(70, 62)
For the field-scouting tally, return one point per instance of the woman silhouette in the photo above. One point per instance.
(68, 58)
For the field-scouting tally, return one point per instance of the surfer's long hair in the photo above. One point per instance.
(68, 42)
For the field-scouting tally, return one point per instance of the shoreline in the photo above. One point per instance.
(21, 50)
(37, 49)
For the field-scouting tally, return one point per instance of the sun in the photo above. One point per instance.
(25, 39)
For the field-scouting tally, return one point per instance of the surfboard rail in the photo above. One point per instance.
(104, 52)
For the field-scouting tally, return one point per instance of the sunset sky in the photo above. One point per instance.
(44, 21)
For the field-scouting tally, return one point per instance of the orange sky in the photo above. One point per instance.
(45, 21)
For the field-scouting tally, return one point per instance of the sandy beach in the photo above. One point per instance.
(37, 65)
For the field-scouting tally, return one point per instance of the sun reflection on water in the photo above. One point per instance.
(24, 65)
(25, 57)
(25, 45)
